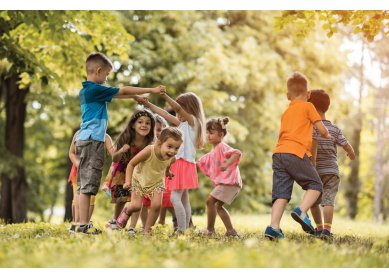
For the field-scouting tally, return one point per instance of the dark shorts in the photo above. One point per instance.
(330, 189)
(288, 168)
(91, 154)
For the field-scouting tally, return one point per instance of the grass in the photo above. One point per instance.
(356, 244)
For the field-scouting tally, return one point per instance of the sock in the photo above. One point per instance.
(319, 227)
(327, 226)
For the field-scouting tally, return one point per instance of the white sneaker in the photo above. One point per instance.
(131, 231)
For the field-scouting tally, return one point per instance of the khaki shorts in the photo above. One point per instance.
(330, 189)
(225, 193)
(91, 154)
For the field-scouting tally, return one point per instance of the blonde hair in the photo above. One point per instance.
(192, 104)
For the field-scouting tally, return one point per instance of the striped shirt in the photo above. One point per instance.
(327, 155)
(93, 100)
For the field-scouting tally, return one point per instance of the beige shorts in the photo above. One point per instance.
(225, 193)
(330, 189)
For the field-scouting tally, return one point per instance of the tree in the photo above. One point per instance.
(46, 51)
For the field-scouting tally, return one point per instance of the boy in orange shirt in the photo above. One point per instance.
(291, 158)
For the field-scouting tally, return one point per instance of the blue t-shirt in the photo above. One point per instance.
(93, 100)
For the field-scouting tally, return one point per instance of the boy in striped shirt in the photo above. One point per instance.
(325, 159)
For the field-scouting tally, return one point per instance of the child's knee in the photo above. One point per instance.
(210, 201)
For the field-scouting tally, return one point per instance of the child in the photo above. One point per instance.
(73, 181)
(145, 174)
(160, 123)
(90, 139)
(326, 163)
(291, 157)
(190, 120)
(138, 134)
(221, 165)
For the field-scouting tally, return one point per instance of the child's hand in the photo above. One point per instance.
(159, 90)
(141, 100)
(224, 166)
(125, 148)
(127, 186)
(170, 175)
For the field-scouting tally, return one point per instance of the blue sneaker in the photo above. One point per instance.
(273, 234)
(303, 219)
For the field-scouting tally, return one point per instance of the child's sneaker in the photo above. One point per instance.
(88, 229)
(325, 234)
(112, 224)
(317, 233)
(303, 219)
(131, 231)
(274, 234)
(72, 229)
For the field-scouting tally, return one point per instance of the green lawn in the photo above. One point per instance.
(356, 244)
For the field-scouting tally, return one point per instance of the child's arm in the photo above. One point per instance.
(168, 117)
(117, 155)
(109, 145)
(130, 91)
(350, 151)
(234, 156)
(168, 173)
(140, 157)
(321, 128)
(72, 152)
(178, 109)
(314, 152)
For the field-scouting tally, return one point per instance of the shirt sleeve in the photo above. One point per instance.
(103, 93)
(202, 164)
(228, 151)
(313, 115)
(340, 139)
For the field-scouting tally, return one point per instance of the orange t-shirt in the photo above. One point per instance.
(296, 128)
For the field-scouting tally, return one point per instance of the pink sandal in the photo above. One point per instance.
(121, 221)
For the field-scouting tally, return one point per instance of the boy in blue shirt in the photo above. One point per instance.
(90, 139)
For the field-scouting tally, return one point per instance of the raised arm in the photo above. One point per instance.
(178, 109)
(233, 157)
(168, 117)
(72, 151)
(109, 145)
(140, 157)
(350, 151)
(130, 91)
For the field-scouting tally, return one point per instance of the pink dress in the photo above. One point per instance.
(210, 163)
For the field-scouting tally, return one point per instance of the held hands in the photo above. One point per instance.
(159, 90)
(169, 174)
(127, 186)
(142, 100)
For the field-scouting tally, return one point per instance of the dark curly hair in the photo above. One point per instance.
(127, 136)
(218, 124)
(320, 99)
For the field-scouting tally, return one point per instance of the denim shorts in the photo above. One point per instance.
(288, 168)
(91, 154)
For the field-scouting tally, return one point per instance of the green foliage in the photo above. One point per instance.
(369, 23)
(47, 245)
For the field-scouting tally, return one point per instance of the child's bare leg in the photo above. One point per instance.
(316, 214)
(118, 209)
(162, 216)
(309, 199)
(328, 213)
(76, 209)
(225, 216)
(277, 210)
(91, 209)
(134, 206)
(143, 215)
(156, 202)
(84, 202)
(211, 213)
(134, 219)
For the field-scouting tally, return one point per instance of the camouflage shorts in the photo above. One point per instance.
(330, 189)
(91, 154)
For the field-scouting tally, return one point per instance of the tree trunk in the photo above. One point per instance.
(13, 201)
(354, 185)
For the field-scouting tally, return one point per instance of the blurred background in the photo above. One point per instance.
(236, 61)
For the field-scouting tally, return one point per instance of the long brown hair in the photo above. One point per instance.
(192, 104)
(127, 136)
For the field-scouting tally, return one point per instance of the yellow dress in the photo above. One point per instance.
(148, 176)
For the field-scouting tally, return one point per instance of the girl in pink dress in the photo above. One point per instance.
(221, 165)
